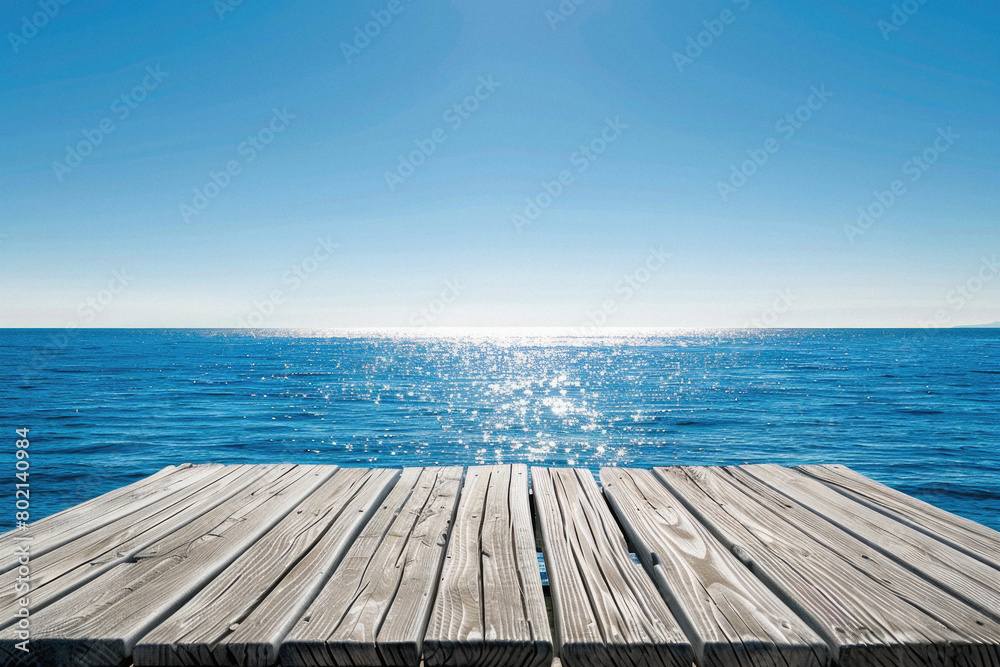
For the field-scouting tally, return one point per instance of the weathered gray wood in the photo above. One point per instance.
(259, 637)
(864, 622)
(607, 610)
(729, 615)
(240, 617)
(99, 623)
(490, 608)
(958, 532)
(969, 579)
(62, 527)
(61, 571)
(374, 609)
(214, 565)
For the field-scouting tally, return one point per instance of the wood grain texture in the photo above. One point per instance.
(99, 623)
(259, 637)
(64, 569)
(374, 609)
(961, 575)
(240, 617)
(58, 529)
(243, 565)
(974, 539)
(864, 622)
(490, 607)
(607, 610)
(730, 616)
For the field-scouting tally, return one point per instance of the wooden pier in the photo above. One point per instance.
(749, 566)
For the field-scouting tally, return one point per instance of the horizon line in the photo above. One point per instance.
(507, 329)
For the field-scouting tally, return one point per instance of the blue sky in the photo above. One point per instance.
(239, 163)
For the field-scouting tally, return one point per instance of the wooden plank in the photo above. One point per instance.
(257, 640)
(960, 533)
(63, 570)
(99, 623)
(374, 609)
(62, 527)
(864, 622)
(490, 608)
(607, 610)
(963, 576)
(240, 617)
(730, 616)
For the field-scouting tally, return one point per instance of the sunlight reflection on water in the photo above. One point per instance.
(119, 404)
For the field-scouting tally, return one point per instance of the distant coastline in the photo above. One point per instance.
(991, 325)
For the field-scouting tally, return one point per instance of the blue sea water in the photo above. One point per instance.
(914, 409)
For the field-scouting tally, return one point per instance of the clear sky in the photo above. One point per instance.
(641, 163)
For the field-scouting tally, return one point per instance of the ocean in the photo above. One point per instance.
(914, 409)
